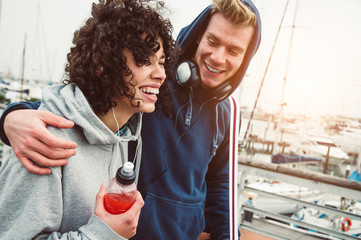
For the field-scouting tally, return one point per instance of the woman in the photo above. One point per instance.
(115, 71)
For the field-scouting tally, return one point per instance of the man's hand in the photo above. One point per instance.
(31, 140)
(124, 224)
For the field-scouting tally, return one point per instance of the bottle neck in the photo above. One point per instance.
(125, 178)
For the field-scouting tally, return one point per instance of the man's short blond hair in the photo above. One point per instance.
(236, 12)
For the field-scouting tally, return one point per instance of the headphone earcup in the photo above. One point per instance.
(187, 74)
(221, 92)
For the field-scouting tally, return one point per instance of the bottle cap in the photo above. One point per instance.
(128, 167)
(126, 174)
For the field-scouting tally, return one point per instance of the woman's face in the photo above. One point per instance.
(148, 79)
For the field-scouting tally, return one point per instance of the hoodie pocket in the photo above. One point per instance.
(163, 218)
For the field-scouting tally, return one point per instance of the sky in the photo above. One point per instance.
(321, 65)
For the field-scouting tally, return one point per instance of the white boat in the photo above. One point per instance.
(316, 146)
(276, 205)
(333, 222)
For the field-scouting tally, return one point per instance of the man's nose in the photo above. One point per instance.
(218, 56)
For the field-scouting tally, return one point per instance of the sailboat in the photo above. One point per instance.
(28, 86)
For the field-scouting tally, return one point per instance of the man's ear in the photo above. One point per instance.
(198, 39)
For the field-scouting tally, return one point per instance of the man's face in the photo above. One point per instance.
(221, 50)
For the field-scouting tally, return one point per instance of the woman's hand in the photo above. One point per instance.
(124, 224)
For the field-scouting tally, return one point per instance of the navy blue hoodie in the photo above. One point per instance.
(185, 176)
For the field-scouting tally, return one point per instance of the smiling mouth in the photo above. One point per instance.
(213, 70)
(149, 90)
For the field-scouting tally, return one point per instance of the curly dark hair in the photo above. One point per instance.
(96, 63)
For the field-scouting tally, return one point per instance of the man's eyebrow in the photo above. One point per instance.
(213, 36)
(233, 47)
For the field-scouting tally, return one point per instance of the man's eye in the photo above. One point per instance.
(211, 42)
(234, 53)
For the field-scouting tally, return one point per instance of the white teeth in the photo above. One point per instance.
(213, 69)
(150, 90)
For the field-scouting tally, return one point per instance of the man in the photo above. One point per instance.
(187, 176)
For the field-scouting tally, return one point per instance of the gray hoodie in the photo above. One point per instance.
(61, 205)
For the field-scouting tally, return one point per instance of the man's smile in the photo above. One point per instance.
(213, 70)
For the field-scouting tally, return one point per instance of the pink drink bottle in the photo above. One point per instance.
(121, 190)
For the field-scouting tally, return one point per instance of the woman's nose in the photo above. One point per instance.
(158, 72)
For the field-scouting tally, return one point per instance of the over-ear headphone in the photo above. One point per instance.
(188, 75)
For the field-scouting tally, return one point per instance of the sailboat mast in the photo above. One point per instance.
(1, 1)
(289, 56)
(264, 75)
(280, 116)
(23, 70)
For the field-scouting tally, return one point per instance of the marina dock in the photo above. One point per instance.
(271, 225)
(280, 230)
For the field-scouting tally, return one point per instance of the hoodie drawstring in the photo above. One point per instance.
(188, 116)
(137, 158)
(215, 138)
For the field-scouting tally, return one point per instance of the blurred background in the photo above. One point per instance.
(322, 61)
(304, 80)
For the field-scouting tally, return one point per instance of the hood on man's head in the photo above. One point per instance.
(188, 36)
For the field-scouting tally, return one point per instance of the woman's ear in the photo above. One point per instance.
(100, 67)
(99, 70)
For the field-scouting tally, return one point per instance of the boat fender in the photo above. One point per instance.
(300, 215)
(346, 224)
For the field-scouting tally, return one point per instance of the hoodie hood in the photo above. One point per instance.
(68, 101)
(187, 41)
